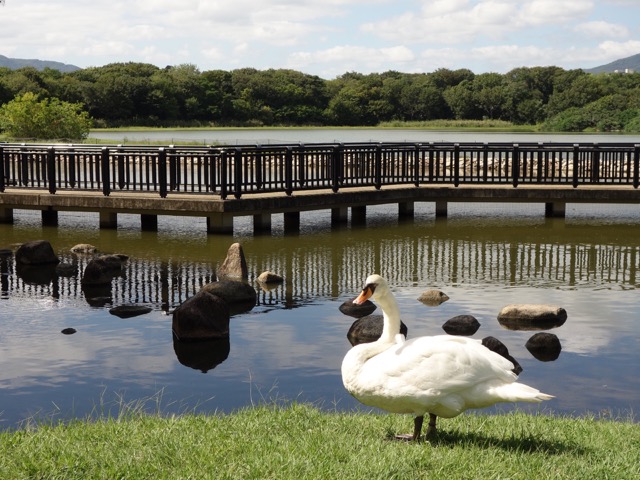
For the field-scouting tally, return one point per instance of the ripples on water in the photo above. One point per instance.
(292, 343)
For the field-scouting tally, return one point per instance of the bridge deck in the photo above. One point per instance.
(220, 212)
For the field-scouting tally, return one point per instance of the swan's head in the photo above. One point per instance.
(372, 285)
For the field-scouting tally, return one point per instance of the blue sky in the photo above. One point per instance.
(327, 37)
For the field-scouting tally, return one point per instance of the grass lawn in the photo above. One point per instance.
(299, 441)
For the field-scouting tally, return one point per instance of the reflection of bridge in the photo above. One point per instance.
(323, 271)
(220, 183)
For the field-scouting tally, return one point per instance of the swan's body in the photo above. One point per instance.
(441, 375)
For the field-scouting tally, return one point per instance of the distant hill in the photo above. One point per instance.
(14, 63)
(629, 63)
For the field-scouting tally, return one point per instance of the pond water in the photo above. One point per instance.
(290, 346)
(265, 136)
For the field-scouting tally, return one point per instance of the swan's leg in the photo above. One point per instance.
(417, 428)
(431, 429)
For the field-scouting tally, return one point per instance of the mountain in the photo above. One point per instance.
(14, 63)
(630, 63)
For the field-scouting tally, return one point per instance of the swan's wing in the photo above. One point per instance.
(438, 365)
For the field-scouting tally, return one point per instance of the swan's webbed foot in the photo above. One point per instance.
(417, 428)
(431, 429)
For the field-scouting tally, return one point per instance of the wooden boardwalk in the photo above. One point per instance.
(344, 205)
(221, 183)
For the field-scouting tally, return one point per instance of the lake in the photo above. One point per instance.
(290, 346)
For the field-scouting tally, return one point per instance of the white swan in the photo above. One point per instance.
(441, 375)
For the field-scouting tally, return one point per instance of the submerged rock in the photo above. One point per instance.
(433, 298)
(531, 316)
(368, 329)
(234, 265)
(129, 311)
(544, 346)
(357, 311)
(464, 325)
(495, 345)
(37, 252)
(201, 317)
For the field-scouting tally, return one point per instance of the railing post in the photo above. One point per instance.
(288, 171)
(106, 177)
(636, 165)
(456, 164)
(515, 167)
(595, 164)
(485, 161)
(2, 172)
(51, 169)
(223, 174)
(416, 165)
(302, 162)
(576, 158)
(121, 176)
(72, 168)
(431, 160)
(173, 169)
(237, 173)
(162, 172)
(335, 168)
(377, 174)
(259, 178)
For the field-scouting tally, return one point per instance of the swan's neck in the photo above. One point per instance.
(391, 315)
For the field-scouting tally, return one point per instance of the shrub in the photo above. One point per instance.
(27, 117)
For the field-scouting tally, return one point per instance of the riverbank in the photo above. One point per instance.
(300, 441)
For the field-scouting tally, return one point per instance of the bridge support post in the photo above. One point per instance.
(50, 218)
(441, 209)
(555, 209)
(406, 210)
(359, 215)
(291, 223)
(149, 222)
(220, 223)
(339, 216)
(108, 220)
(262, 223)
(6, 215)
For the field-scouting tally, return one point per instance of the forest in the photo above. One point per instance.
(140, 94)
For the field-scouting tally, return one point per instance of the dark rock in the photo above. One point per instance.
(68, 331)
(357, 311)
(129, 311)
(204, 355)
(495, 345)
(66, 269)
(37, 252)
(98, 295)
(234, 265)
(102, 269)
(433, 298)
(42, 274)
(368, 329)
(544, 346)
(240, 296)
(201, 317)
(461, 325)
(531, 317)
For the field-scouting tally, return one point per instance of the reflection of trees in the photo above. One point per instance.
(322, 270)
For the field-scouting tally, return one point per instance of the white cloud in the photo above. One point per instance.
(602, 29)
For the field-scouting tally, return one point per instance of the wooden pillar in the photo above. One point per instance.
(441, 208)
(149, 222)
(220, 223)
(50, 218)
(291, 223)
(6, 215)
(406, 210)
(339, 216)
(108, 220)
(359, 215)
(555, 209)
(262, 223)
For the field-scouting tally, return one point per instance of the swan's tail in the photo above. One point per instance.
(519, 392)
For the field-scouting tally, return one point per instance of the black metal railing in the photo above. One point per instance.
(239, 170)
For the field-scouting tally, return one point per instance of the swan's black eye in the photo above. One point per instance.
(370, 286)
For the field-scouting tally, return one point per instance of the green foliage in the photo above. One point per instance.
(26, 117)
(140, 94)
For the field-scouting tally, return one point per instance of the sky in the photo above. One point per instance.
(324, 37)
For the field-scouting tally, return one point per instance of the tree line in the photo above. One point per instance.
(140, 94)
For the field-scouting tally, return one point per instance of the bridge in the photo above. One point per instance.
(223, 182)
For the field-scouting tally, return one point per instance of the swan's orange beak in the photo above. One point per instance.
(364, 295)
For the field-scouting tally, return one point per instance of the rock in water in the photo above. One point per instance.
(234, 265)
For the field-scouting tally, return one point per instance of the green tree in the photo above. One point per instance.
(27, 117)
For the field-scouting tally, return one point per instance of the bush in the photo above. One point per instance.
(26, 117)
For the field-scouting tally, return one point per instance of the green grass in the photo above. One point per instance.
(301, 442)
